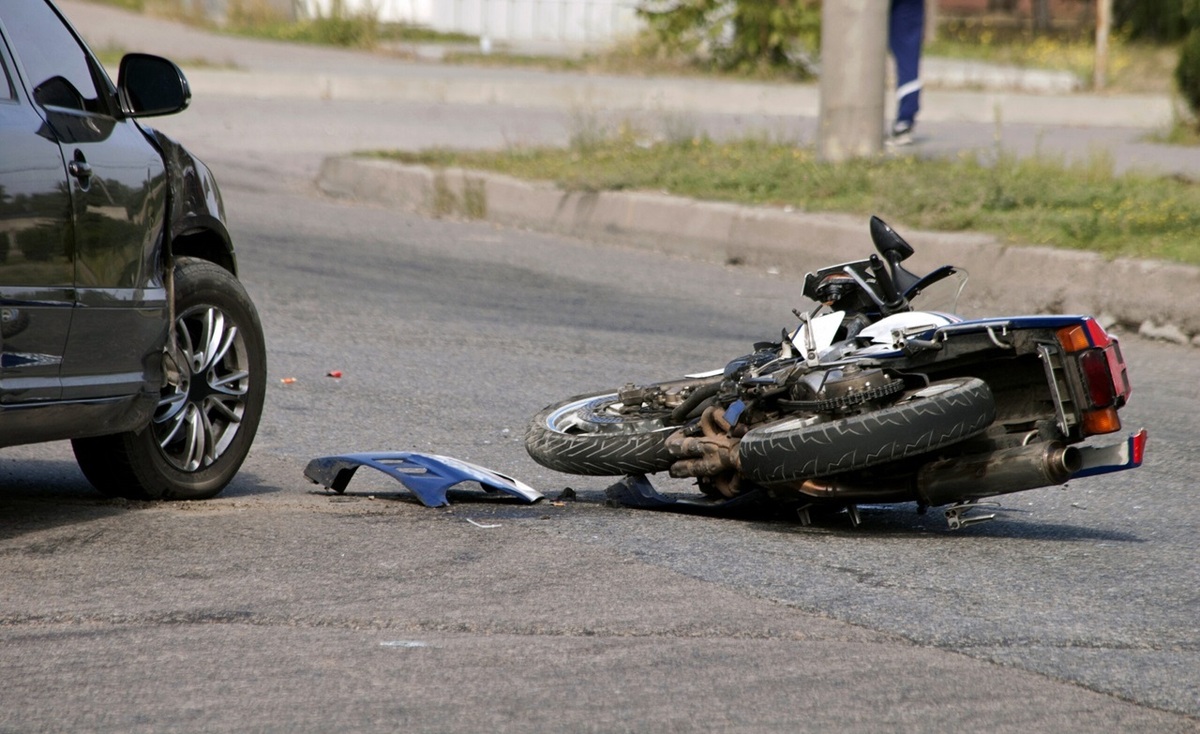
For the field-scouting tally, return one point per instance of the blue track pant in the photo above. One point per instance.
(906, 29)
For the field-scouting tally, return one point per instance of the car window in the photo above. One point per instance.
(56, 65)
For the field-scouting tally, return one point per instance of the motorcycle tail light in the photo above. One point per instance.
(1104, 420)
(1097, 376)
(1105, 380)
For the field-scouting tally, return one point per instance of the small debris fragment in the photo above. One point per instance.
(334, 373)
(481, 525)
(288, 380)
(566, 494)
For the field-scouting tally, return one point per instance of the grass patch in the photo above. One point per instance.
(1135, 68)
(110, 57)
(1180, 133)
(342, 31)
(259, 19)
(341, 26)
(1139, 68)
(638, 55)
(1042, 201)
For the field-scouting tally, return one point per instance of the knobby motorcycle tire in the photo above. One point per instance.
(923, 420)
(606, 447)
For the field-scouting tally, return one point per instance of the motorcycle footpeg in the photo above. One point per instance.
(955, 515)
(804, 515)
(852, 513)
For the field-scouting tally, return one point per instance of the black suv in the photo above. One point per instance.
(123, 326)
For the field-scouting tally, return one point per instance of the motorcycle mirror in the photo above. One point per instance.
(890, 244)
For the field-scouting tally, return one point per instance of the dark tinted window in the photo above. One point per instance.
(57, 66)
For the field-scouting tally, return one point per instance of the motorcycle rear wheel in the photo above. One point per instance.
(923, 420)
(588, 435)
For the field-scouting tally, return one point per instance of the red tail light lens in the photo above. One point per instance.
(1098, 380)
(1116, 365)
(1096, 333)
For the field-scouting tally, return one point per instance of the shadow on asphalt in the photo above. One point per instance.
(883, 521)
(248, 484)
(903, 520)
(38, 495)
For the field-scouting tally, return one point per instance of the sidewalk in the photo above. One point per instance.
(1159, 299)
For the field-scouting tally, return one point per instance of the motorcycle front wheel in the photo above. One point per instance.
(596, 435)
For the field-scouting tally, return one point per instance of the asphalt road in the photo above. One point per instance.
(279, 608)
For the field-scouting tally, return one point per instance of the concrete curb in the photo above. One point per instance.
(949, 73)
(1139, 295)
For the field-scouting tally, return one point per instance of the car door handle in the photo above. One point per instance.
(80, 169)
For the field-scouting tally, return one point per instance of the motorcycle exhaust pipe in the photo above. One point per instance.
(834, 488)
(948, 481)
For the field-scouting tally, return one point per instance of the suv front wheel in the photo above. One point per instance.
(208, 414)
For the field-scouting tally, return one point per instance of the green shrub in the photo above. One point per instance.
(737, 34)
(1156, 20)
(1187, 72)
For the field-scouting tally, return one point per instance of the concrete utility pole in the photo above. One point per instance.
(853, 79)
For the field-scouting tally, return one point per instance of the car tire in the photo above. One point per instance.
(205, 422)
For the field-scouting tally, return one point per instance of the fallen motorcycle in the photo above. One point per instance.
(868, 400)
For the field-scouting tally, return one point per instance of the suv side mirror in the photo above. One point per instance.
(151, 85)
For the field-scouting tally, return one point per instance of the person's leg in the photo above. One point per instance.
(906, 28)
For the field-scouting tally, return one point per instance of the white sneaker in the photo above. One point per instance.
(902, 134)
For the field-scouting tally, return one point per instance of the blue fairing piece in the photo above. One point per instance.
(428, 476)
